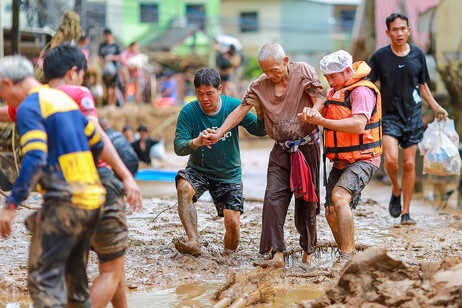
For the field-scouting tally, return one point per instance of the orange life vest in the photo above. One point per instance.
(353, 147)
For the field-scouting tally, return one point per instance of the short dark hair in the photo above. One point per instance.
(394, 17)
(61, 59)
(127, 127)
(107, 31)
(142, 128)
(207, 77)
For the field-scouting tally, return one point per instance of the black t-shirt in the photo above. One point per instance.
(144, 155)
(399, 80)
(106, 49)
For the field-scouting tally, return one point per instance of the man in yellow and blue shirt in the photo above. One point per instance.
(60, 148)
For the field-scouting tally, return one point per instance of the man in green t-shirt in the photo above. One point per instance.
(216, 169)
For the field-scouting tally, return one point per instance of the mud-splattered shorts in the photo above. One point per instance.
(225, 195)
(111, 235)
(353, 178)
(59, 253)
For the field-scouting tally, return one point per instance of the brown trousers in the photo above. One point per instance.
(277, 199)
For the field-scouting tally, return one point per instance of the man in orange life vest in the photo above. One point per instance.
(352, 124)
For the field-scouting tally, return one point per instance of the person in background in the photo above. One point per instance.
(227, 62)
(143, 145)
(129, 133)
(123, 147)
(83, 42)
(216, 169)
(167, 91)
(132, 73)
(109, 56)
(402, 71)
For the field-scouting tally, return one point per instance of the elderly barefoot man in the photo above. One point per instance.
(353, 141)
(216, 169)
(280, 93)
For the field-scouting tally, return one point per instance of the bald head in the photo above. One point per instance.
(273, 50)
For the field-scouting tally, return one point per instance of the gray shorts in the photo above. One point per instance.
(353, 178)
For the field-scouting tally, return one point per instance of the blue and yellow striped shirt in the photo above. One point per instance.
(59, 146)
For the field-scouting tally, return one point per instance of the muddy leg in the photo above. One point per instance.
(332, 221)
(188, 216)
(109, 282)
(345, 222)
(232, 226)
(306, 259)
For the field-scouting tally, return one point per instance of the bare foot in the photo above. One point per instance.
(189, 247)
(227, 252)
(277, 261)
(306, 259)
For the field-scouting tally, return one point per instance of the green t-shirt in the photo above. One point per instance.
(222, 162)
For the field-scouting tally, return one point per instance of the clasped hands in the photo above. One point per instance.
(207, 137)
(310, 115)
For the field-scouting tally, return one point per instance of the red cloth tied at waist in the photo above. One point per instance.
(301, 183)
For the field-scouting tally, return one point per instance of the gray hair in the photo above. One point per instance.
(15, 68)
(274, 50)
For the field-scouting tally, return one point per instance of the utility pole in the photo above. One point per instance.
(15, 28)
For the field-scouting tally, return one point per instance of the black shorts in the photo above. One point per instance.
(353, 178)
(407, 134)
(225, 195)
(111, 236)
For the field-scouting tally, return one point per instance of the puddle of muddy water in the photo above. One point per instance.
(199, 295)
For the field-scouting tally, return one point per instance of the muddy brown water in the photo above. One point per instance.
(158, 276)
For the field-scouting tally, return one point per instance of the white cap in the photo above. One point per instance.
(336, 62)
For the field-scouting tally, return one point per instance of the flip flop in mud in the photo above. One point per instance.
(189, 248)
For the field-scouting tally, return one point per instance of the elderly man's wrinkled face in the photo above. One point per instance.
(209, 97)
(275, 70)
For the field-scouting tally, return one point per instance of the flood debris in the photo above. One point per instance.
(248, 288)
(373, 279)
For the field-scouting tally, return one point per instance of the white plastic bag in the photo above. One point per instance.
(440, 148)
(433, 131)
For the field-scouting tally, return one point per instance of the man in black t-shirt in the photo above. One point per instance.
(403, 75)
(143, 145)
(109, 56)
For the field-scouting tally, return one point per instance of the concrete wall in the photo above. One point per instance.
(269, 18)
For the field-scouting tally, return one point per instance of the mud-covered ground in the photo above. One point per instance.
(154, 266)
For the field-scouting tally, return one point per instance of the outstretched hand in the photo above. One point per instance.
(133, 194)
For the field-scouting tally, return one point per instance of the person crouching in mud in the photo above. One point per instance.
(216, 169)
(353, 141)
